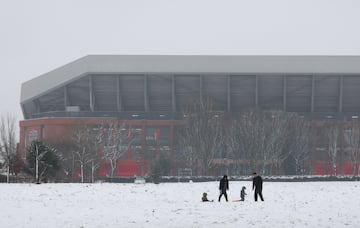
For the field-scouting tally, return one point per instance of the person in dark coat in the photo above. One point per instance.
(223, 187)
(242, 194)
(257, 184)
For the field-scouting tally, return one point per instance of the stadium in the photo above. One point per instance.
(149, 92)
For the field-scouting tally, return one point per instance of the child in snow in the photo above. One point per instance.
(242, 194)
(204, 198)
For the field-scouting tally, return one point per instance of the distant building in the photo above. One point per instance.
(149, 93)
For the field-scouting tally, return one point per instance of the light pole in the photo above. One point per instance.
(37, 164)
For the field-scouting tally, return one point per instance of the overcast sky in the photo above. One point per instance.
(40, 35)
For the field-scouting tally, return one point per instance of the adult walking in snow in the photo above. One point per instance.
(223, 187)
(257, 184)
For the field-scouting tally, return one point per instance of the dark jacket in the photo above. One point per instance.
(242, 193)
(257, 182)
(204, 199)
(224, 185)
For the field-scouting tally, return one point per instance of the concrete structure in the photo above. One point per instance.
(151, 91)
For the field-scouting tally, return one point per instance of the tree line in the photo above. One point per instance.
(208, 142)
(271, 142)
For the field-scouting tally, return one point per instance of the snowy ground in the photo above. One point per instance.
(307, 204)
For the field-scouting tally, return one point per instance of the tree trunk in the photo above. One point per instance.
(37, 165)
(8, 174)
(82, 172)
(92, 171)
(72, 167)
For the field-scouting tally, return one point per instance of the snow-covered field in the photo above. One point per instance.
(307, 204)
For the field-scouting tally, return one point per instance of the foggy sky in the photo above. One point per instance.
(40, 35)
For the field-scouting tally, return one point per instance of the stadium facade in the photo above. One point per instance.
(149, 92)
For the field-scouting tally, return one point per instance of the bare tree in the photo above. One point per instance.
(277, 134)
(8, 142)
(115, 143)
(83, 141)
(203, 132)
(234, 142)
(95, 156)
(352, 140)
(298, 143)
(264, 138)
(185, 153)
(251, 136)
(67, 151)
(333, 132)
(88, 140)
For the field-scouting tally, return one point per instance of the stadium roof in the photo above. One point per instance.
(188, 64)
(104, 85)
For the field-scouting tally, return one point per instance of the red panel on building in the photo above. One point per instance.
(131, 168)
(104, 170)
